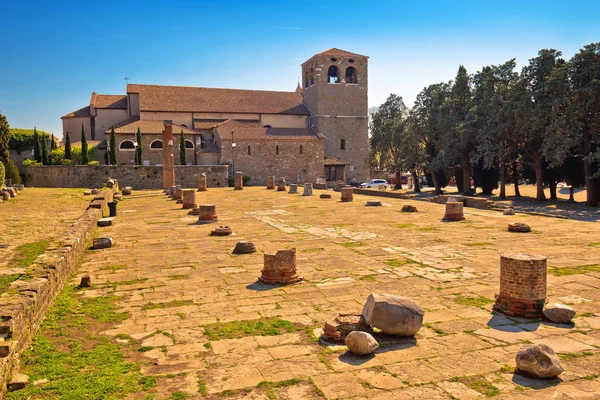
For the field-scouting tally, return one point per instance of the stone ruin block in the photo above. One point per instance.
(221, 231)
(519, 227)
(409, 208)
(522, 285)
(280, 268)
(189, 199)
(347, 194)
(202, 184)
(270, 182)
(454, 211)
(86, 281)
(293, 188)
(244, 247)
(207, 214)
(238, 181)
(281, 184)
(102, 222)
(338, 328)
(127, 190)
(373, 203)
(308, 189)
(325, 196)
(338, 186)
(102, 243)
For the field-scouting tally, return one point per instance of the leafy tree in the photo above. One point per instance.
(182, 159)
(37, 149)
(44, 150)
(4, 140)
(68, 146)
(2, 174)
(112, 157)
(584, 74)
(84, 147)
(12, 172)
(138, 149)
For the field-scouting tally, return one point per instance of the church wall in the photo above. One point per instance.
(223, 115)
(179, 118)
(149, 155)
(73, 125)
(106, 119)
(284, 121)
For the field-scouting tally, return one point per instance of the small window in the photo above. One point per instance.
(351, 61)
(189, 144)
(267, 126)
(277, 150)
(312, 76)
(157, 144)
(249, 151)
(301, 149)
(333, 75)
(351, 76)
(126, 145)
(333, 59)
(343, 144)
(184, 125)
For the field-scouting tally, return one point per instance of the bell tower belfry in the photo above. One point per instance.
(335, 90)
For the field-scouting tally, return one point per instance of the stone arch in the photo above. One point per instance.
(351, 75)
(156, 144)
(333, 74)
(127, 145)
(189, 144)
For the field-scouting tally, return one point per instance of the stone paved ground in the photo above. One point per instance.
(181, 287)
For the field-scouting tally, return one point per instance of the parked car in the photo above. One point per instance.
(374, 183)
(403, 180)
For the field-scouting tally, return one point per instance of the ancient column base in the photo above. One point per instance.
(208, 214)
(454, 211)
(221, 231)
(280, 268)
(512, 307)
(280, 280)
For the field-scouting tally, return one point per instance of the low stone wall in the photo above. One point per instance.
(474, 202)
(381, 193)
(138, 177)
(25, 302)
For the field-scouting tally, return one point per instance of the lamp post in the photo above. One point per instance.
(232, 153)
(108, 153)
(135, 146)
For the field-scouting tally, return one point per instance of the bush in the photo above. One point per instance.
(30, 163)
(2, 174)
(231, 180)
(56, 156)
(12, 172)
(22, 139)
(67, 162)
(94, 162)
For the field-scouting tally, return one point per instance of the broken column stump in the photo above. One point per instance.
(454, 211)
(202, 182)
(293, 188)
(238, 181)
(168, 160)
(308, 189)
(325, 196)
(522, 285)
(270, 182)
(280, 268)
(102, 243)
(281, 184)
(86, 281)
(409, 208)
(207, 214)
(373, 203)
(102, 222)
(338, 328)
(221, 231)
(178, 195)
(244, 247)
(189, 199)
(519, 227)
(347, 194)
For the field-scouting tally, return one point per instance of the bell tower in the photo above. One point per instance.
(335, 86)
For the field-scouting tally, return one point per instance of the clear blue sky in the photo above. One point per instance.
(54, 54)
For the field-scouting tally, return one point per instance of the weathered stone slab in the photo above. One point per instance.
(108, 221)
(102, 243)
(361, 343)
(394, 315)
(559, 313)
(518, 227)
(539, 361)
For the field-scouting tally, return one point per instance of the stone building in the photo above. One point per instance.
(318, 130)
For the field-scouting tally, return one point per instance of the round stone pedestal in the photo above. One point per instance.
(308, 189)
(270, 182)
(189, 199)
(281, 185)
(221, 231)
(347, 194)
(238, 181)
(207, 214)
(522, 285)
(454, 211)
(280, 268)
(293, 188)
(202, 182)
(244, 247)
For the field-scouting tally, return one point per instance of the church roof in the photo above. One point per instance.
(335, 52)
(207, 123)
(130, 125)
(109, 101)
(199, 99)
(82, 112)
(333, 162)
(253, 130)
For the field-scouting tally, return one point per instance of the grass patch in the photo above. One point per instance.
(131, 282)
(370, 278)
(280, 384)
(484, 388)
(397, 263)
(404, 226)
(178, 277)
(475, 301)
(594, 244)
(28, 252)
(582, 269)
(179, 395)
(313, 250)
(428, 229)
(477, 244)
(6, 280)
(258, 327)
(350, 245)
(202, 389)
(173, 303)
(113, 268)
(571, 356)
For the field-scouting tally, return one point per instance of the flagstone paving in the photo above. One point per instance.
(193, 306)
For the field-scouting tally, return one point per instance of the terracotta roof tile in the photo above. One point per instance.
(330, 162)
(338, 52)
(111, 101)
(199, 99)
(253, 130)
(131, 125)
(207, 123)
(82, 112)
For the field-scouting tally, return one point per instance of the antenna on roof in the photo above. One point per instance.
(126, 77)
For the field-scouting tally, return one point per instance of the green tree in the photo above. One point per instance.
(138, 149)
(182, 158)
(584, 74)
(44, 150)
(37, 149)
(4, 139)
(84, 147)
(67, 146)
(2, 174)
(112, 156)
(52, 142)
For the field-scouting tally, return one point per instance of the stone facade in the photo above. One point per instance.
(134, 176)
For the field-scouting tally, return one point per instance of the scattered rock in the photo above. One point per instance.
(518, 227)
(337, 329)
(105, 221)
(325, 196)
(94, 191)
(194, 211)
(539, 361)
(87, 192)
(86, 281)
(118, 196)
(126, 190)
(244, 247)
(221, 231)
(373, 203)
(40, 382)
(4, 349)
(409, 208)
(103, 243)
(559, 313)
(394, 315)
(361, 343)
(509, 211)
(17, 382)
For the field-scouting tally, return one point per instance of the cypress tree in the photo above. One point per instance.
(112, 157)
(182, 159)
(84, 147)
(37, 152)
(68, 146)
(52, 142)
(138, 149)
(44, 150)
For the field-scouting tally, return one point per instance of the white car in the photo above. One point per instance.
(375, 183)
